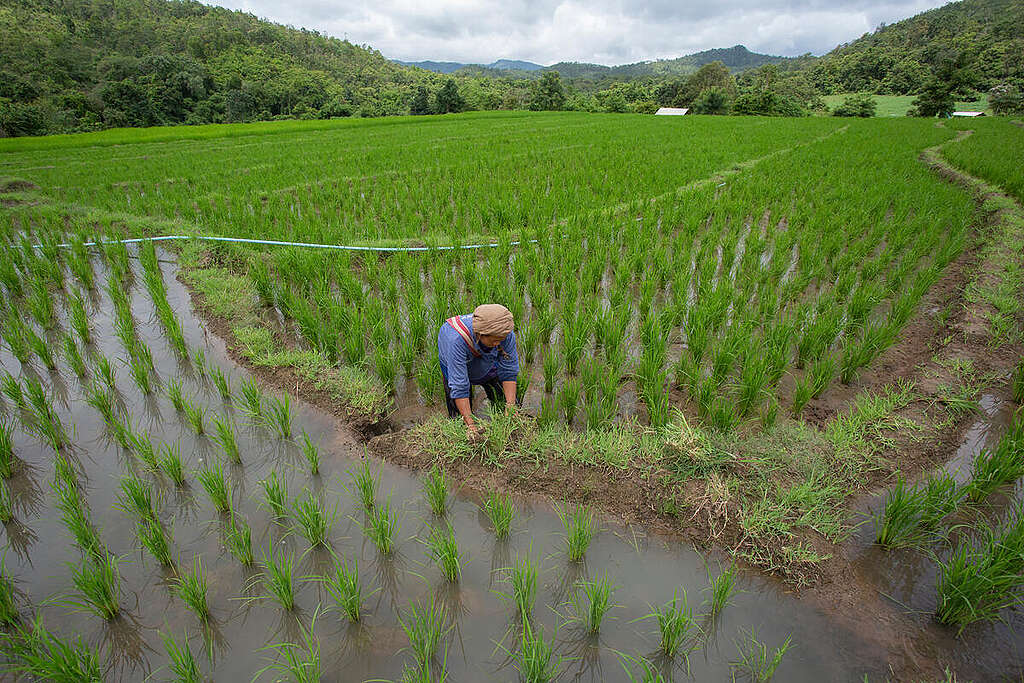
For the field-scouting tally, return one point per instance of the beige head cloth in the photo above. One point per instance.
(492, 319)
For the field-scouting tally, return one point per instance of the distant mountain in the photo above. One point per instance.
(737, 58)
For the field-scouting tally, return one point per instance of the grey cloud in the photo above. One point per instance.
(601, 31)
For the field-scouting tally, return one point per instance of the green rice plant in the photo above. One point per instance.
(8, 599)
(154, 538)
(994, 467)
(103, 402)
(40, 304)
(299, 662)
(136, 496)
(40, 654)
(191, 586)
(535, 657)
(278, 577)
(1017, 383)
(79, 318)
(8, 461)
(552, 364)
(756, 661)
(238, 539)
(313, 519)
(675, 625)
(364, 485)
(170, 463)
(106, 372)
(275, 494)
(977, 581)
(175, 395)
(548, 412)
(382, 527)
(580, 527)
(911, 513)
(183, 664)
(444, 550)
(343, 586)
(15, 334)
(500, 509)
(220, 381)
(311, 453)
(802, 393)
(74, 357)
(139, 371)
(279, 416)
(211, 476)
(428, 378)
(225, 437)
(522, 580)
(435, 490)
(98, 583)
(41, 348)
(424, 626)
(569, 397)
(12, 390)
(196, 416)
(649, 673)
(721, 588)
(590, 602)
(6, 504)
(142, 447)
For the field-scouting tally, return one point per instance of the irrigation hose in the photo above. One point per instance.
(277, 243)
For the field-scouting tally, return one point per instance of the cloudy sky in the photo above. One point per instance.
(600, 31)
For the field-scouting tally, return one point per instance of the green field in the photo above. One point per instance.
(899, 105)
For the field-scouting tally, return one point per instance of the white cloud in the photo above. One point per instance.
(601, 31)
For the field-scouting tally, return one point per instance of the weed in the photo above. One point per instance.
(343, 586)
(501, 511)
(721, 587)
(311, 453)
(279, 416)
(153, 537)
(580, 528)
(278, 578)
(275, 494)
(211, 476)
(183, 663)
(313, 519)
(382, 527)
(225, 437)
(191, 587)
(170, 463)
(444, 550)
(755, 659)
(99, 585)
(238, 539)
(435, 490)
(590, 602)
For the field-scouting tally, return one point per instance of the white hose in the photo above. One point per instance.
(284, 244)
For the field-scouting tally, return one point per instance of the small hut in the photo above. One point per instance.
(671, 111)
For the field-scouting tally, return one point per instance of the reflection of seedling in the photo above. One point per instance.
(500, 510)
(311, 453)
(435, 490)
(590, 602)
(444, 549)
(191, 587)
(99, 585)
(225, 437)
(580, 528)
(211, 476)
(275, 494)
(153, 537)
(313, 519)
(343, 585)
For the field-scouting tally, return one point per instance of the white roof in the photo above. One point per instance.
(671, 111)
(968, 113)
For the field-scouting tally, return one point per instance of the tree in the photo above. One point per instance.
(713, 100)
(448, 100)
(1006, 98)
(548, 94)
(857, 105)
(420, 102)
(711, 75)
(936, 99)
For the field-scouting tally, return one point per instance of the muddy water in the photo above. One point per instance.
(646, 570)
(899, 585)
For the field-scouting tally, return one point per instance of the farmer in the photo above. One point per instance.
(479, 348)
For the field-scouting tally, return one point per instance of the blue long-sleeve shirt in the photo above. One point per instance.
(461, 368)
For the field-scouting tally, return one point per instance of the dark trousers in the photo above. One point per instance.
(491, 385)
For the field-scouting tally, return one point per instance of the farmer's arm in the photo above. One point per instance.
(508, 369)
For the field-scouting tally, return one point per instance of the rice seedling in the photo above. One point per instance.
(79, 318)
(590, 602)
(580, 527)
(142, 447)
(8, 461)
(6, 504)
(802, 394)
(649, 673)
(175, 395)
(522, 580)
(444, 550)
(238, 539)
(313, 519)
(8, 599)
(139, 371)
(311, 453)
(279, 416)
(74, 358)
(220, 381)
(994, 467)
(106, 372)
(364, 484)
(721, 588)
(40, 654)
(535, 657)
(755, 659)
(548, 412)
(979, 580)
(435, 490)
(211, 476)
(154, 538)
(136, 496)
(41, 348)
(551, 367)
(252, 399)
(277, 577)
(182, 663)
(224, 435)
(911, 513)
(382, 527)
(1017, 383)
(500, 509)
(98, 583)
(191, 587)
(40, 304)
(196, 416)
(569, 397)
(343, 586)
(170, 463)
(12, 390)
(299, 662)
(275, 494)
(424, 626)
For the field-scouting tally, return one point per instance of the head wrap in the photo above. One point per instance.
(492, 320)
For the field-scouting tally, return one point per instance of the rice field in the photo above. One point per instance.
(755, 318)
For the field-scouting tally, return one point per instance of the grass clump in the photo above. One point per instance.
(191, 587)
(755, 659)
(444, 550)
(500, 509)
(435, 490)
(580, 528)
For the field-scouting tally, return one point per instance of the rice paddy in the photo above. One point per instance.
(707, 321)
